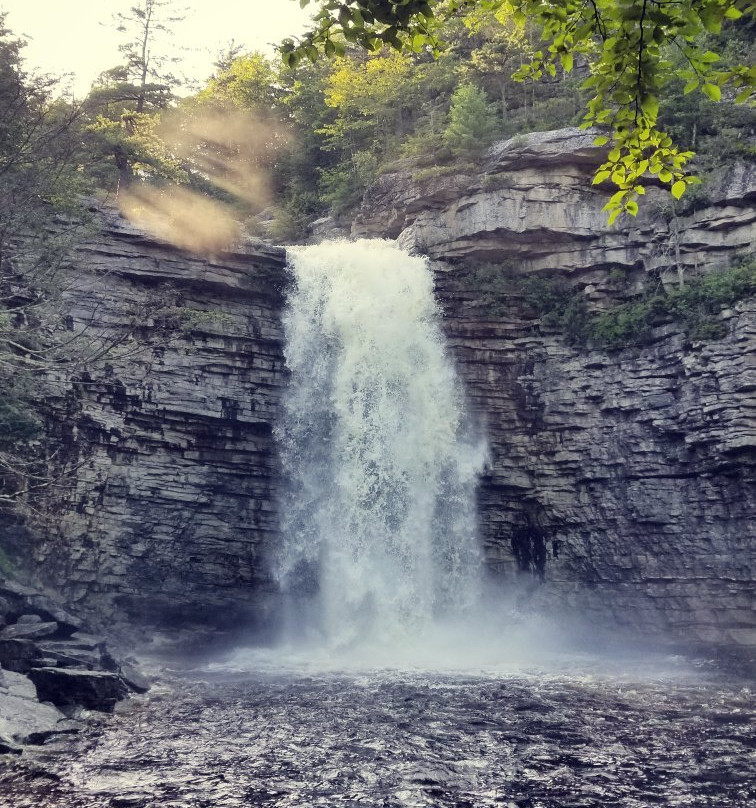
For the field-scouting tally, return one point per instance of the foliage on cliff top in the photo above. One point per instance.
(695, 306)
(626, 43)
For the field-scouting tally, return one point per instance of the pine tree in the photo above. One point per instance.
(472, 121)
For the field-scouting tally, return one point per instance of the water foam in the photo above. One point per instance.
(379, 540)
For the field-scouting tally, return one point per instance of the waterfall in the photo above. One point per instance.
(378, 518)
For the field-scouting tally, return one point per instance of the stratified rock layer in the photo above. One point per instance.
(166, 496)
(621, 484)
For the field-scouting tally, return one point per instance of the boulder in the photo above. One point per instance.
(22, 719)
(29, 631)
(64, 687)
(134, 678)
(28, 619)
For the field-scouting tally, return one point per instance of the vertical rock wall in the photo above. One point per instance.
(166, 502)
(621, 484)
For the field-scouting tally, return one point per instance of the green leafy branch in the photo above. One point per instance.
(626, 44)
(370, 24)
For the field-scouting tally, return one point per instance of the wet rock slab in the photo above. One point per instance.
(23, 720)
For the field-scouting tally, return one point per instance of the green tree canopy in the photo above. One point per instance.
(625, 43)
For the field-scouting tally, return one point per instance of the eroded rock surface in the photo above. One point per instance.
(620, 483)
(623, 484)
(532, 203)
(167, 466)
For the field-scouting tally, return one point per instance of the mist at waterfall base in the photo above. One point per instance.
(379, 562)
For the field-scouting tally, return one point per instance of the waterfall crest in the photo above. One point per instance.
(379, 537)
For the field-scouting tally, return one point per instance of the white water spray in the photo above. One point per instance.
(379, 539)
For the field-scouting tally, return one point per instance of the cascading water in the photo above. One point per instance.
(379, 539)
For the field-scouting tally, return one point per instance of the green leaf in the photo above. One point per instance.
(650, 105)
(601, 140)
(632, 208)
(678, 189)
(712, 91)
(690, 86)
(567, 60)
(616, 198)
(743, 96)
(711, 20)
(600, 177)
(613, 215)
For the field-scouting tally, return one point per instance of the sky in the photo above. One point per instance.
(78, 36)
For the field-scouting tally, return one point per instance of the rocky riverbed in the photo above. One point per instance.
(575, 735)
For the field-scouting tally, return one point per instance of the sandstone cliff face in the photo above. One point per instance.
(621, 484)
(167, 496)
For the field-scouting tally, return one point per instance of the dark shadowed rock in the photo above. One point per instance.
(18, 655)
(29, 619)
(95, 690)
(70, 655)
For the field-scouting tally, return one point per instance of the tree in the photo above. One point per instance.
(472, 121)
(232, 132)
(243, 80)
(626, 44)
(41, 158)
(125, 101)
(145, 70)
(504, 45)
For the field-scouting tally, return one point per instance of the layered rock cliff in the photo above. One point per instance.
(621, 483)
(165, 496)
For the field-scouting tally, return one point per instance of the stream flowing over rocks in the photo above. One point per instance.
(580, 734)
